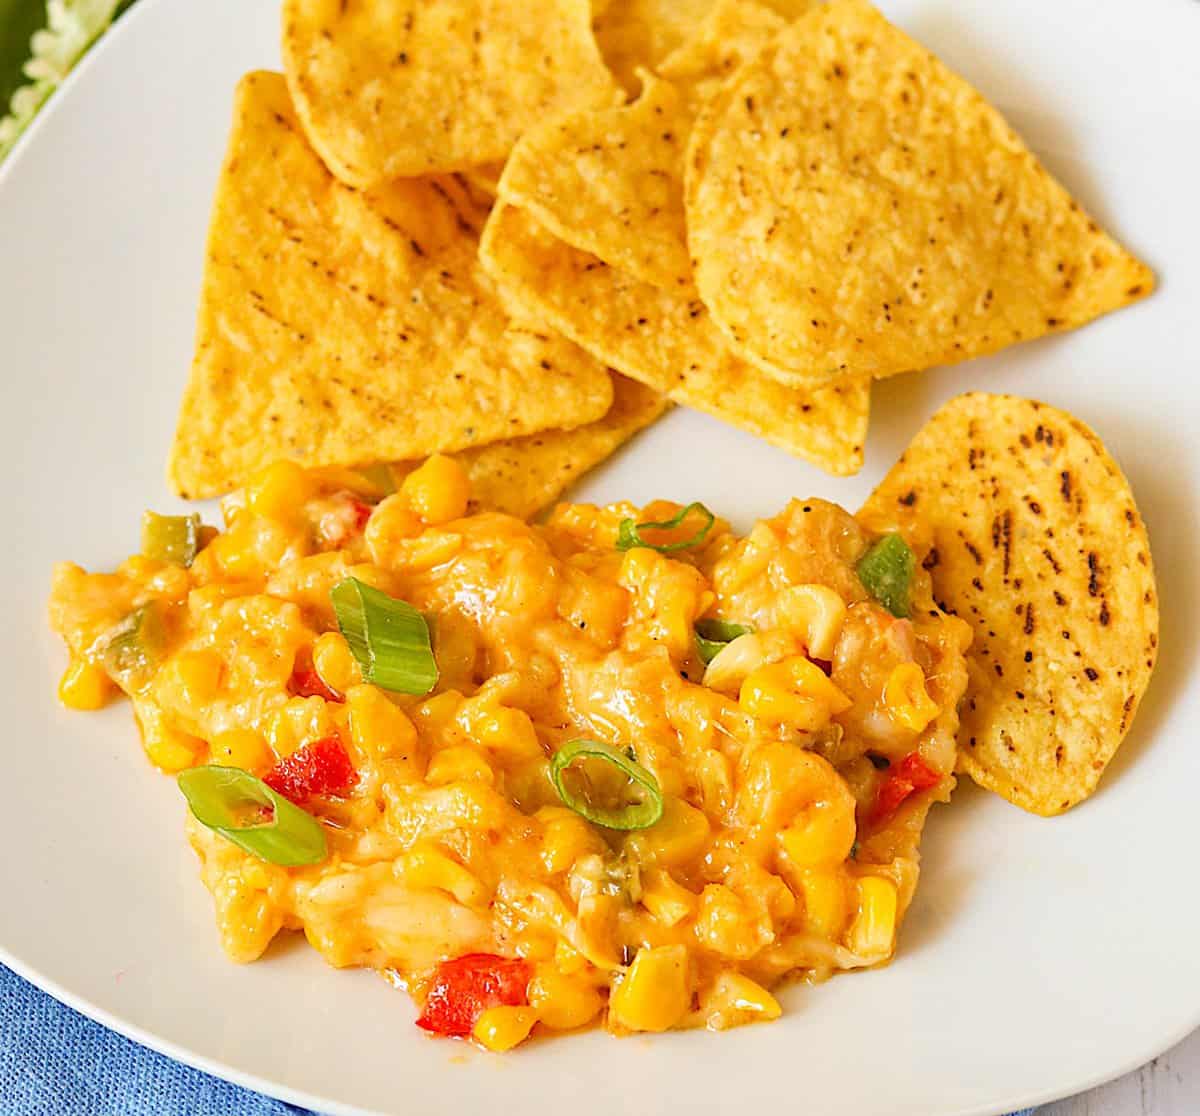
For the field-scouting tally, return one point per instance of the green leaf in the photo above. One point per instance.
(389, 638)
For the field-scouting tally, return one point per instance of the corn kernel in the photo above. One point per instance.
(429, 549)
(872, 934)
(506, 733)
(279, 489)
(679, 836)
(563, 1001)
(168, 748)
(437, 491)
(655, 994)
(908, 702)
(198, 675)
(567, 959)
(737, 660)
(668, 901)
(501, 1028)
(825, 902)
(725, 924)
(435, 716)
(816, 614)
(459, 763)
(378, 727)
(823, 833)
(335, 664)
(85, 686)
(427, 866)
(565, 838)
(298, 721)
(793, 692)
(242, 748)
(391, 523)
(735, 999)
(255, 875)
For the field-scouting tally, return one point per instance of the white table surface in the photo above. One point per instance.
(1168, 1086)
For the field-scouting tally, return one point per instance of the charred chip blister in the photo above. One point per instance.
(1031, 534)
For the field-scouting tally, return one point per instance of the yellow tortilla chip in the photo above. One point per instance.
(522, 476)
(667, 342)
(641, 34)
(610, 182)
(732, 33)
(337, 327)
(1034, 539)
(855, 208)
(396, 88)
(485, 178)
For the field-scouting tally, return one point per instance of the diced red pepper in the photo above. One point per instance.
(463, 989)
(320, 767)
(910, 775)
(306, 682)
(362, 512)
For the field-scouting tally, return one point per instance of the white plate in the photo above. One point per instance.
(1040, 957)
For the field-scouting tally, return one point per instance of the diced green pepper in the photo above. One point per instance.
(170, 538)
(136, 647)
(886, 571)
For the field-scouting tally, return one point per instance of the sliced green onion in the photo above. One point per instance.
(712, 635)
(629, 532)
(246, 811)
(170, 538)
(136, 647)
(639, 813)
(389, 638)
(886, 571)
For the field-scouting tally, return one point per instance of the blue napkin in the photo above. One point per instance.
(52, 1059)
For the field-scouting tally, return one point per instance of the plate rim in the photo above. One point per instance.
(63, 99)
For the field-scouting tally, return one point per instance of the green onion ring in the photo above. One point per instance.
(629, 532)
(636, 815)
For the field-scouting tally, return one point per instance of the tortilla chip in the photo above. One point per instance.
(409, 87)
(855, 208)
(1035, 540)
(640, 34)
(667, 342)
(732, 33)
(522, 476)
(486, 178)
(338, 328)
(610, 182)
